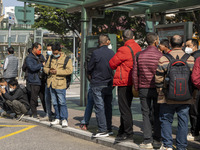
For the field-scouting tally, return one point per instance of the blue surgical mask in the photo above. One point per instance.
(56, 56)
(49, 53)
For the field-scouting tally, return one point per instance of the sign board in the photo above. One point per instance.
(24, 15)
(11, 18)
(185, 30)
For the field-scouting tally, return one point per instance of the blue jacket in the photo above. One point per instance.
(34, 66)
(98, 67)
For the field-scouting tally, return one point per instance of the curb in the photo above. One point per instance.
(85, 135)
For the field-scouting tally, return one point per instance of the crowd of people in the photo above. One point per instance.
(166, 76)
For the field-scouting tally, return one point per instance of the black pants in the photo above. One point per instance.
(194, 114)
(125, 97)
(150, 114)
(37, 90)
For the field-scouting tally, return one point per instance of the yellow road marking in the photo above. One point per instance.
(19, 131)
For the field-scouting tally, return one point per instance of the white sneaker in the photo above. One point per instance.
(165, 148)
(146, 146)
(100, 134)
(56, 122)
(64, 123)
(190, 137)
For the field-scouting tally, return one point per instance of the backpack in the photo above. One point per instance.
(68, 77)
(178, 79)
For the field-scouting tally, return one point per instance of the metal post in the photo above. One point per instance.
(83, 41)
(9, 35)
(74, 48)
(25, 12)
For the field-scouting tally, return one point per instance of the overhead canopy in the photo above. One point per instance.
(134, 7)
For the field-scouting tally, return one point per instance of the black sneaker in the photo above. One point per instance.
(19, 117)
(124, 137)
(100, 134)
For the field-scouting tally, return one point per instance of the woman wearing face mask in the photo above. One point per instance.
(192, 48)
(16, 99)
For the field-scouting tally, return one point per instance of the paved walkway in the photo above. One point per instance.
(76, 115)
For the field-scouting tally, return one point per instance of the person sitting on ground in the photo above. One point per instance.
(5, 109)
(164, 46)
(17, 99)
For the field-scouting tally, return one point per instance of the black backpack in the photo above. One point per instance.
(68, 77)
(178, 79)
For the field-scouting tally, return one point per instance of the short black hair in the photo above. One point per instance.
(56, 46)
(176, 41)
(13, 82)
(151, 37)
(194, 42)
(29, 50)
(50, 44)
(2, 80)
(35, 45)
(128, 35)
(165, 42)
(11, 50)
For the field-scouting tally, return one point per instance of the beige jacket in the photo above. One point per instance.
(58, 81)
(161, 73)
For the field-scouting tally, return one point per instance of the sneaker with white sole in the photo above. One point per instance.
(146, 146)
(64, 123)
(100, 134)
(165, 148)
(55, 122)
(190, 137)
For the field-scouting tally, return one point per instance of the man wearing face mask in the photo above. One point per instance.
(194, 113)
(192, 48)
(57, 83)
(35, 62)
(144, 70)
(16, 99)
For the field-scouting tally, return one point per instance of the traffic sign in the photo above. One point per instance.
(11, 18)
(24, 15)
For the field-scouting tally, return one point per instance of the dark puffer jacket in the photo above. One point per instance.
(123, 63)
(144, 69)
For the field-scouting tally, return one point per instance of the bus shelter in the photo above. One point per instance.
(153, 10)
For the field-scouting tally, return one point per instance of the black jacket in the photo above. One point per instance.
(98, 67)
(196, 54)
(18, 94)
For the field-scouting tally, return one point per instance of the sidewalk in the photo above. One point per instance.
(76, 115)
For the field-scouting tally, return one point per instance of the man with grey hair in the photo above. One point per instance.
(122, 62)
(101, 85)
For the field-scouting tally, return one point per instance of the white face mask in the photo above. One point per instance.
(11, 89)
(110, 46)
(188, 50)
(3, 87)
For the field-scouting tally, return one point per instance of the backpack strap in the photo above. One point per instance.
(169, 57)
(131, 52)
(185, 57)
(66, 61)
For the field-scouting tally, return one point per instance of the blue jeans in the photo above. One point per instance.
(58, 97)
(89, 108)
(166, 118)
(48, 101)
(102, 96)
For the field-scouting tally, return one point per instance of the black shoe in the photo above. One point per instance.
(19, 117)
(124, 137)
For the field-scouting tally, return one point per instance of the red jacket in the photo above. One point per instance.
(123, 63)
(196, 73)
(146, 66)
